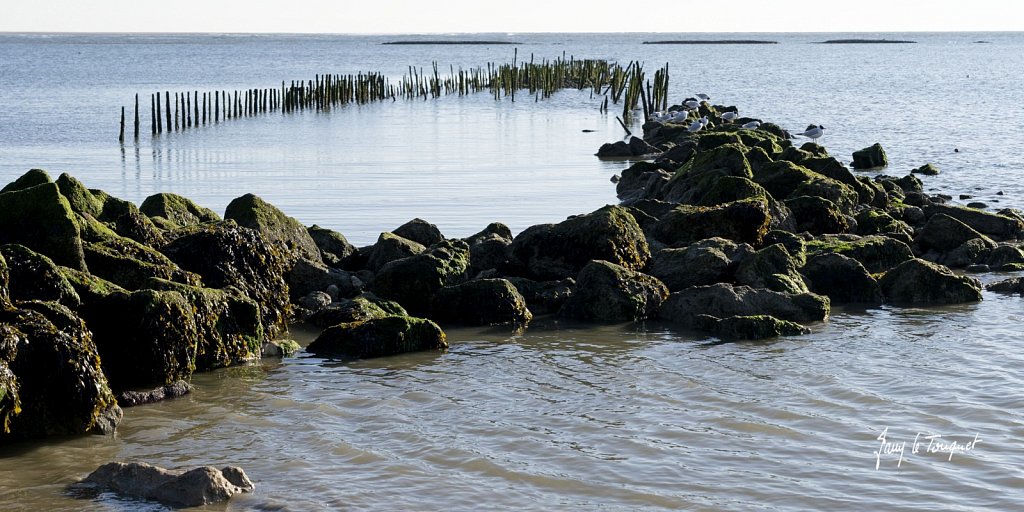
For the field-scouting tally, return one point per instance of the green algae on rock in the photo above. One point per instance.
(379, 337)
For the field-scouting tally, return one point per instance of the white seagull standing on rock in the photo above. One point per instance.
(697, 125)
(703, 97)
(753, 125)
(814, 133)
(729, 116)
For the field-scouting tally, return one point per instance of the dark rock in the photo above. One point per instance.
(870, 157)
(357, 309)
(969, 253)
(36, 277)
(1011, 285)
(390, 247)
(771, 267)
(977, 205)
(225, 254)
(606, 292)
(996, 226)
(544, 297)
(700, 172)
(877, 253)
(557, 251)
(724, 300)
(413, 281)
(743, 221)
(379, 337)
(756, 327)
(842, 279)
(308, 276)
(314, 301)
(419, 231)
(874, 221)
(488, 250)
(197, 487)
(41, 219)
(51, 382)
(926, 169)
(120, 216)
(705, 262)
(181, 211)
(913, 215)
(250, 211)
(616, 149)
(1004, 254)
(28, 180)
(334, 247)
(134, 398)
(944, 233)
(794, 244)
(910, 184)
(641, 180)
(784, 179)
(921, 282)
(481, 302)
(639, 147)
(125, 261)
(817, 215)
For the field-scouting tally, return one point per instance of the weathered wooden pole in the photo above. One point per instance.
(136, 117)
(216, 106)
(195, 106)
(152, 113)
(167, 109)
(186, 115)
(177, 113)
(120, 137)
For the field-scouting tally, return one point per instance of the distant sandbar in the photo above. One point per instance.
(452, 42)
(866, 41)
(713, 41)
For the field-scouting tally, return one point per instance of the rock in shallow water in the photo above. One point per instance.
(178, 488)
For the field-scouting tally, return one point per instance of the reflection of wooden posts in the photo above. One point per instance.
(120, 137)
(136, 117)
(167, 109)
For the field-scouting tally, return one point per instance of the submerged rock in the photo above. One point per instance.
(135, 398)
(379, 337)
(606, 292)
(1011, 285)
(178, 488)
(755, 327)
(921, 282)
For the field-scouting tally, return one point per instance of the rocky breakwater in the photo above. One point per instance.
(754, 235)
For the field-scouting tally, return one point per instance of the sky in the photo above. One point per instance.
(470, 16)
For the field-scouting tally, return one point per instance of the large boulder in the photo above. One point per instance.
(252, 212)
(489, 249)
(754, 327)
(420, 231)
(28, 180)
(607, 292)
(225, 254)
(125, 261)
(41, 219)
(784, 180)
(870, 157)
(179, 210)
(363, 307)
(817, 215)
(921, 282)
(379, 337)
(1011, 285)
(842, 279)
(877, 253)
(204, 485)
(705, 262)
(997, 226)
(309, 276)
(693, 180)
(556, 251)
(390, 247)
(544, 297)
(36, 277)
(122, 217)
(944, 233)
(481, 302)
(413, 281)
(744, 221)
(51, 382)
(723, 300)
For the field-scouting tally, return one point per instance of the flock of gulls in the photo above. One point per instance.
(813, 132)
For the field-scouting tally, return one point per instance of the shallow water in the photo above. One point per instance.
(565, 416)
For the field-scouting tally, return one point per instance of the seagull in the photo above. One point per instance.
(703, 97)
(814, 133)
(691, 104)
(729, 116)
(704, 121)
(753, 125)
(696, 125)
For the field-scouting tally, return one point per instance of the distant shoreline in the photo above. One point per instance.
(713, 41)
(450, 42)
(866, 41)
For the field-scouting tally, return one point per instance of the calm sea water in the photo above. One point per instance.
(562, 416)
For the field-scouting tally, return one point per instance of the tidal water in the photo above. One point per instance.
(561, 416)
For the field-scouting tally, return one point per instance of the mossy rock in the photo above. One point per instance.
(481, 302)
(993, 225)
(702, 263)
(723, 300)
(28, 180)
(877, 253)
(334, 247)
(701, 171)
(51, 360)
(225, 254)
(125, 261)
(34, 277)
(843, 279)
(5, 298)
(556, 251)
(366, 306)
(926, 170)
(90, 288)
(413, 281)
(228, 324)
(251, 211)
(379, 337)
(419, 231)
(744, 221)
(771, 267)
(784, 179)
(875, 221)
(121, 216)
(749, 328)
(391, 247)
(544, 297)
(180, 210)
(870, 157)
(944, 233)
(922, 282)
(146, 338)
(41, 219)
(606, 292)
(817, 215)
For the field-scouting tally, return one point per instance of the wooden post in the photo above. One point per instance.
(216, 106)
(152, 113)
(167, 109)
(120, 137)
(177, 113)
(186, 115)
(195, 106)
(136, 117)
(205, 107)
